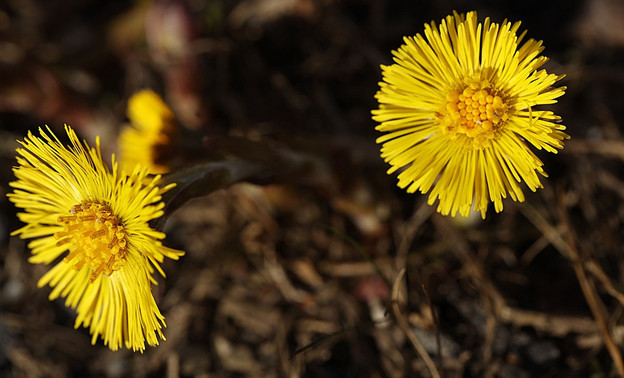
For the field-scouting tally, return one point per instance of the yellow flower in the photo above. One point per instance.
(457, 109)
(151, 130)
(74, 203)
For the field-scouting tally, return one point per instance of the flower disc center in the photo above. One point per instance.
(97, 238)
(475, 113)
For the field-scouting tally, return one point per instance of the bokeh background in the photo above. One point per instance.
(299, 276)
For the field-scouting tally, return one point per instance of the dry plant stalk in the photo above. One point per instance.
(405, 327)
(567, 247)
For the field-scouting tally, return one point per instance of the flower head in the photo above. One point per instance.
(97, 220)
(457, 109)
(150, 132)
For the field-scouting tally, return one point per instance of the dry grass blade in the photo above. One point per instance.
(596, 271)
(589, 290)
(609, 148)
(567, 247)
(405, 327)
(436, 323)
(558, 325)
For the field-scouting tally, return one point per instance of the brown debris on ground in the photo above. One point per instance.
(337, 273)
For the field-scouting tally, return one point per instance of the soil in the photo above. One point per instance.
(317, 265)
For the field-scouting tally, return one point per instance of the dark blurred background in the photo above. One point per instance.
(295, 278)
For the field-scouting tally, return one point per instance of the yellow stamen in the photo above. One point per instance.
(475, 113)
(98, 238)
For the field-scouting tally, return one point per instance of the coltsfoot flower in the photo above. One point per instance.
(150, 132)
(457, 109)
(96, 219)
